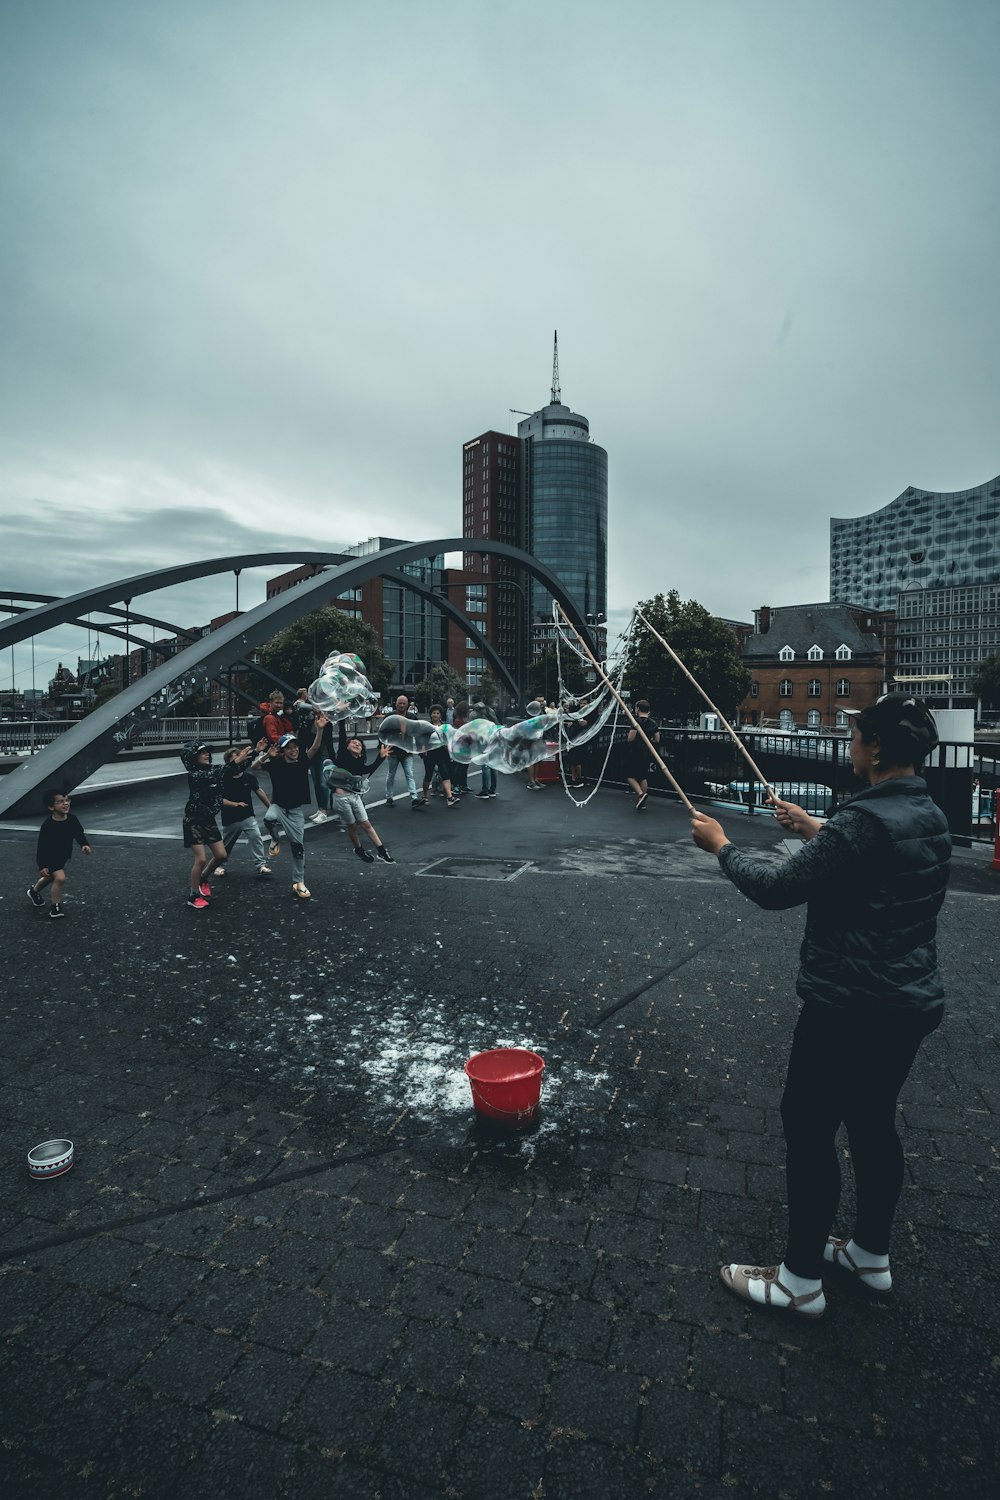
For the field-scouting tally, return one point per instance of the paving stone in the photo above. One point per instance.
(578, 1330)
(339, 1411)
(402, 1445)
(363, 1276)
(655, 1347)
(355, 1337)
(163, 1281)
(556, 1268)
(494, 1253)
(602, 1404)
(681, 1428)
(235, 1463)
(433, 1293)
(576, 1470)
(121, 1341)
(502, 1312)
(189, 1364)
(426, 1237)
(498, 1459)
(432, 1359)
(740, 1368)
(262, 1386)
(506, 1379)
(288, 1319)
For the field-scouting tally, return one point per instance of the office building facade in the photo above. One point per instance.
(934, 559)
(545, 491)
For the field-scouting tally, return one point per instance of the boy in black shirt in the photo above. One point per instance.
(55, 849)
(239, 787)
(290, 795)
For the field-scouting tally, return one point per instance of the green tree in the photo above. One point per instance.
(300, 650)
(704, 644)
(543, 674)
(488, 690)
(986, 682)
(441, 683)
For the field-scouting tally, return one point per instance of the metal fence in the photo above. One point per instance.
(814, 772)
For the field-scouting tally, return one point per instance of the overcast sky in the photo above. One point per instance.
(266, 264)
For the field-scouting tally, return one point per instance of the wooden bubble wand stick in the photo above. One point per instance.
(630, 716)
(729, 728)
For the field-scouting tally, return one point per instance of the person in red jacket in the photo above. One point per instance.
(277, 719)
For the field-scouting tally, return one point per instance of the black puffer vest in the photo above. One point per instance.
(875, 943)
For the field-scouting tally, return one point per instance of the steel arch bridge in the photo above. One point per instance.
(99, 737)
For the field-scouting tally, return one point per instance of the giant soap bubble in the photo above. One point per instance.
(342, 690)
(479, 742)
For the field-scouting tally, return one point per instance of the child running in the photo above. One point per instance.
(201, 812)
(239, 787)
(347, 778)
(56, 838)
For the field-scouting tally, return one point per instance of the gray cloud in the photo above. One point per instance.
(276, 265)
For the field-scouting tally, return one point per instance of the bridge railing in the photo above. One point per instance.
(814, 772)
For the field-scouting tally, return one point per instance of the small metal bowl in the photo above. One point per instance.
(50, 1159)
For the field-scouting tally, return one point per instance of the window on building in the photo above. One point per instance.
(786, 654)
(786, 719)
(843, 687)
(785, 687)
(754, 689)
(841, 719)
(815, 653)
(843, 653)
(813, 718)
(815, 687)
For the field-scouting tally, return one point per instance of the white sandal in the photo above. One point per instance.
(842, 1260)
(738, 1282)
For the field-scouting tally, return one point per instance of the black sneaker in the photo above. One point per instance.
(453, 801)
(363, 854)
(491, 795)
(482, 795)
(389, 801)
(418, 806)
(641, 803)
(55, 910)
(384, 855)
(35, 897)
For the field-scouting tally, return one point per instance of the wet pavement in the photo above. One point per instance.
(288, 1261)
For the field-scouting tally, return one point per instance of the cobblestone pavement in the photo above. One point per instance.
(289, 1263)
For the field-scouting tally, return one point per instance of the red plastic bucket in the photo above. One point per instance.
(506, 1084)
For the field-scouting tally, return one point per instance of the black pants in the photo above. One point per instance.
(848, 1069)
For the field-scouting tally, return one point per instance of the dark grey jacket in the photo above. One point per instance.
(874, 938)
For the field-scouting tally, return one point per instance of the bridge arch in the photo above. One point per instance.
(88, 744)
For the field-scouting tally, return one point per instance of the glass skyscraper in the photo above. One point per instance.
(565, 479)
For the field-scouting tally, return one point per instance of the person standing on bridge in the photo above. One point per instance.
(872, 879)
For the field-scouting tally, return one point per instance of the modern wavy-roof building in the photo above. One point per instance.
(934, 559)
(921, 538)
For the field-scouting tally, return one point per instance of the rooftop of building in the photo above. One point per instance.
(827, 625)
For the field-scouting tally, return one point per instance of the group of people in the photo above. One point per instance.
(872, 878)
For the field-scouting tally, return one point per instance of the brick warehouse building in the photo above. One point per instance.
(808, 663)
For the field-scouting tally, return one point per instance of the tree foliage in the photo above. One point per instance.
(489, 692)
(300, 650)
(543, 673)
(708, 649)
(441, 683)
(986, 682)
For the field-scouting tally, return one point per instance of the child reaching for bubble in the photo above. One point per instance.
(56, 838)
(347, 778)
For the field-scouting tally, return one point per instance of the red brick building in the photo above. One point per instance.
(810, 662)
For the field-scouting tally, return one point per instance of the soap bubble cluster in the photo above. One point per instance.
(480, 742)
(342, 690)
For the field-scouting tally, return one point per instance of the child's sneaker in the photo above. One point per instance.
(35, 897)
(383, 854)
(363, 854)
(196, 899)
(204, 889)
(55, 910)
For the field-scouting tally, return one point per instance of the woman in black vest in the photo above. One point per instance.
(873, 879)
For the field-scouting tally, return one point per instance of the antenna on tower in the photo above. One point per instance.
(556, 397)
